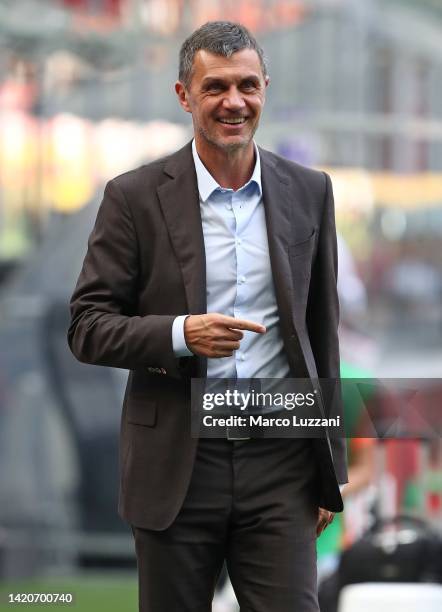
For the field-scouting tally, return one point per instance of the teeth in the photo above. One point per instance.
(233, 121)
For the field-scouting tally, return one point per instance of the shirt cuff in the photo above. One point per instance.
(341, 487)
(179, 345)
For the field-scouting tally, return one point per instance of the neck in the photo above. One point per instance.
(230, 169)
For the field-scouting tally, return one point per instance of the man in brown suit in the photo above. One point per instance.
(152, 275)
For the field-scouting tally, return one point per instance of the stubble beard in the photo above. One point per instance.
(228, 147)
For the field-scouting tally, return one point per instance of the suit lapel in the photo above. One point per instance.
(279, 206)
(278, 221)
(180, 205)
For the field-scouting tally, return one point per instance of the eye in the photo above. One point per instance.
(248, 85)
(214, 87)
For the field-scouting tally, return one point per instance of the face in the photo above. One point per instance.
(225, 96)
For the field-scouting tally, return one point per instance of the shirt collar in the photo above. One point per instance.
(207, 184)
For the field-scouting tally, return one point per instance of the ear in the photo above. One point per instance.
(181, 92)
(266, 84)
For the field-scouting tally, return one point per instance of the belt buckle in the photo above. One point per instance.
(235, 438)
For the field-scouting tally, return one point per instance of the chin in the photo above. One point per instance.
(234, 146)
(234, 143)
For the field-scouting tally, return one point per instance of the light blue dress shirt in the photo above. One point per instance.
(238, 276)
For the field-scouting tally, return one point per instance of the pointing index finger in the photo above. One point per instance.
(244, 324)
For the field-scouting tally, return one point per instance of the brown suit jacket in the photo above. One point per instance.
(145, 265)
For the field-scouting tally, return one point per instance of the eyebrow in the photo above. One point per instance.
(209, 80)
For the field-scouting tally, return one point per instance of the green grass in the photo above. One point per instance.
(110, 593)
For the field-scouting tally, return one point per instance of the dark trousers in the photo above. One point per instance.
(253, 503)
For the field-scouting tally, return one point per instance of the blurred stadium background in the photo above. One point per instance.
(86, 92)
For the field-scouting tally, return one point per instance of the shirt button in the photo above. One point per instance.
(242, 357)
(229, 207)
(242, 279)
(238, 242)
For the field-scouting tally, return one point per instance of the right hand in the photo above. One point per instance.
(216, 335)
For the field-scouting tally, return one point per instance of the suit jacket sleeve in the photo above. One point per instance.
(323, 316)
(105, 329)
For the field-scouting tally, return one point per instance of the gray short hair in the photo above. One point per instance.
(219, 37)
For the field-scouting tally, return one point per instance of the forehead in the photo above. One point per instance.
(208, 65)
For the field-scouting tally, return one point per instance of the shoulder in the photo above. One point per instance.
(150, 176)
(298, 175)
(290, 167)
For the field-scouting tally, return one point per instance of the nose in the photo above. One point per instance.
(233, 99)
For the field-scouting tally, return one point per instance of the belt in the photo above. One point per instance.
(237, 433)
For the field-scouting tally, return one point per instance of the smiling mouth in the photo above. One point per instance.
(232, 121)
